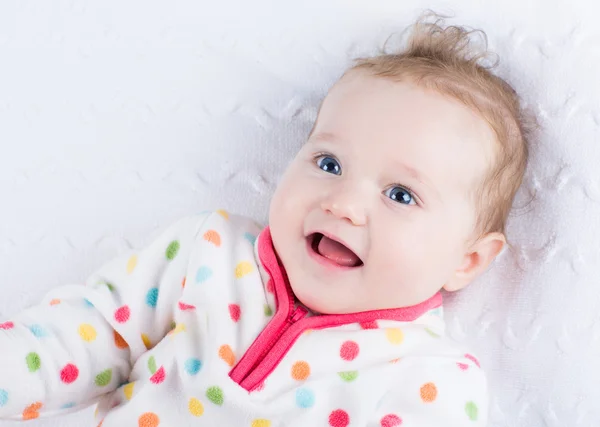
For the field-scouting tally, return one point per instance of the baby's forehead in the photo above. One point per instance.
(395, 99)
(361, 103)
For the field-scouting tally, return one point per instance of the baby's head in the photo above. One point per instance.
(406, 181)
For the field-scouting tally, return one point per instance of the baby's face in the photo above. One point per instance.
(388, 172)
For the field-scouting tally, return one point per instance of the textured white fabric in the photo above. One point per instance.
(119, 117)
(155, 334)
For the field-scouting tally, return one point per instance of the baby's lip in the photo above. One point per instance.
(337, 239)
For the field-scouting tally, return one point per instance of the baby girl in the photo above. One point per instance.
(332, 314)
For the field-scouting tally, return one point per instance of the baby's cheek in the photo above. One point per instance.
(289, 197)
(410, 255)
(398, 260)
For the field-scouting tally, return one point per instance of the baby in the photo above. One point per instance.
(332, 314)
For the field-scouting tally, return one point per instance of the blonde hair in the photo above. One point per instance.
(443, 59)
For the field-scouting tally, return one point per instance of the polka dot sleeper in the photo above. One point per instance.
(199, 328)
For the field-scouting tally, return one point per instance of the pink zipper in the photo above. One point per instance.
(285, 316)
(288, 323)
(278, 349)
(299, 313)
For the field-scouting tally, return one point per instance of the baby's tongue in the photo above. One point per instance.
(337, 252)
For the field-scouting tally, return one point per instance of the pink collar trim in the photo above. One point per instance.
(284, 295)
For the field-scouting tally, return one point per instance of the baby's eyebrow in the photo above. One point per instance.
(414, 173)
(326, 136)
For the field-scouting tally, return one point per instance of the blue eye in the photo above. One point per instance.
(329, 164)
(400, 195)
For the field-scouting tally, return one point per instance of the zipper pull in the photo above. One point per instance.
(298, 313)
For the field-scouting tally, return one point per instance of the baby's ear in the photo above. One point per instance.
(476, 260)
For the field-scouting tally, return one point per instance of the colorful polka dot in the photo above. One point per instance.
(391, 420)
(87, 332)
(203, 274)
(432, 333)
(88, 303)
(348, 376)
(192, 366)
(185, 307)
(32, 411)
(119, 341)
(148, 419)
(472, 411)
(223, 213)
(147, 342)
(54, 301)
(339, 418)
(6, 326)
(131, 263)
(183, 282)
(152, 365)
(103, 378)
(33, 362)
(369, 325)
(261, 423)
(152, 297)
(394, 336)
(428, 392)
(3, 397)
(69, 373)
(250, 237)
(268, 310)
(122, 314)
(68, 405)
(462, 366)
(38, 331)
(128, 390)
(159, 376)
(195, 407)
(235, 312)
(177, 329)
(349, 350)
(172, 250)
(305, 398)
(226, 353)
(243, 269)
(215, 395)
(473, 359)
(436, 312)
(213, 237)
(110, 286)
(300, 370)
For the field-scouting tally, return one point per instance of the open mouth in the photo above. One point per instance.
(333, 252)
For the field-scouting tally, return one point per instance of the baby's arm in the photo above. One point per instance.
(449, 392)
(81, 341)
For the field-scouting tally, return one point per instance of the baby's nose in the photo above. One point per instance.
(346, 210)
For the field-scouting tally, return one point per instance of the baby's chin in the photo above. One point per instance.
(322, 304)
(312, 302)
(345, 302)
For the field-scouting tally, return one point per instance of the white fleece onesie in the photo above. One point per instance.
(200, 328)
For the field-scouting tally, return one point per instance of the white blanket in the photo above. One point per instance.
(117, 118)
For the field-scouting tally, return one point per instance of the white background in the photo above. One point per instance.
(117, 118)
